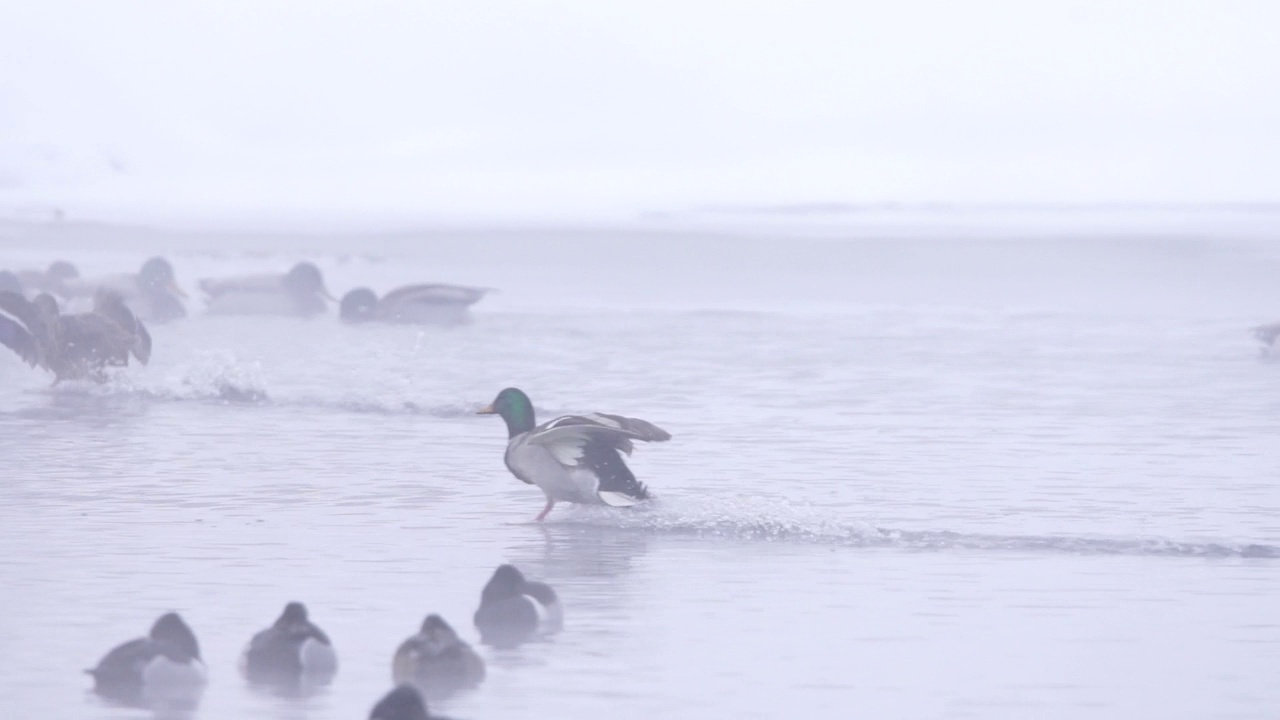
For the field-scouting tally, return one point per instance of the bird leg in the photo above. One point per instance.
(543, 515)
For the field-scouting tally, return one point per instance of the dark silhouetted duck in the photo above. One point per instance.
(412, 304)
(299, 293)
(291, 650)
(573, 458)
(152, 292)
(403, 703)
(513, 609)
(73, 347)
(51, 280)
(164, 664)
(437, 660)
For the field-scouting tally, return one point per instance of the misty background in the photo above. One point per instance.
(394, 114)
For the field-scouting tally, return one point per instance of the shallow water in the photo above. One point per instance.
(922, 477)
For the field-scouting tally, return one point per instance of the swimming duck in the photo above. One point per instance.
(413, 304)
(165, 663)
(513, 609)
(403, 703)
(574, 458)
(291, 649)
(299, 292)
(437, 660)
(51, 280)
(73, 347)
(152, 292)
(1267, 335)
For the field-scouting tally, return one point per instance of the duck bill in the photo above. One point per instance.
(177, 290)
(487, 410)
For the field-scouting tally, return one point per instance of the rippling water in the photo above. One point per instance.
(918, 477)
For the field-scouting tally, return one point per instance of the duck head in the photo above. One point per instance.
(403, 703)
(358, 306)
(47, 307)
(60, 271)
(304, 280)
(173, 635)
(507, 582)
(515, 408)
(438, 633)
(157, 279)
(295, 613)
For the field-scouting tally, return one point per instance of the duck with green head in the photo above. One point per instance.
(573, 458)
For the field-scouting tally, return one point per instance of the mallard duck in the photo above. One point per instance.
(152, 292)
(73, 347)
(291, 649)
(1267, 335)
(51, 280)
(437, 660)
(164, 663)
(403, 703)
(299, 292)
(412, 304)
(513, 609)
(574, 458)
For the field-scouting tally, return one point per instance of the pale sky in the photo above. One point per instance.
(578, 106)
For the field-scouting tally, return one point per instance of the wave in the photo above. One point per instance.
(769, 520)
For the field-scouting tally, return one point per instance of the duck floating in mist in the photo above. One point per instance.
(437, 304)
(1267, 335)
(51, 280)
(164, 664)
(574, 458)
(297, 293)
(402, 703)
(436, 660)
(513, 609)
(73, 347)
(291, 651)
(152, 292)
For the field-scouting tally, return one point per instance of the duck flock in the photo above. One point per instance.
(165, 668)
(76, 327)
(572, 458)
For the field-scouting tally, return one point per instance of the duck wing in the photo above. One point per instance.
(111, 306)
(434, 294)
(20, 327)
(595, 443)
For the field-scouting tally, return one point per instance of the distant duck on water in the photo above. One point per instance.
(51, 280)
(299, 293)
(73, 347)
(402, 703)
(513, 610)
(436, 660)
(574, 458)
(152, 292)
(1267, 335)
(413, 304)
(293, 649)
(164, 664)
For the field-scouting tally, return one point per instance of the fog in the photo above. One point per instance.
(404, 113)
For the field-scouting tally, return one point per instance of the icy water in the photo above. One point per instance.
(917, 476)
